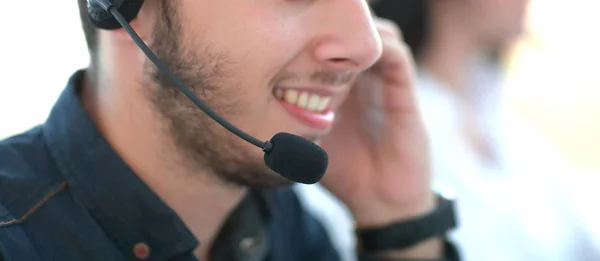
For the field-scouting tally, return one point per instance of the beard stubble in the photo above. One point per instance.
(204, 145)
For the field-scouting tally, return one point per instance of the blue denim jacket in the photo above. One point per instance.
(66, 195)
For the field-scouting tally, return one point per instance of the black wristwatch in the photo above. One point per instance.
(450, 254)
(410, 232)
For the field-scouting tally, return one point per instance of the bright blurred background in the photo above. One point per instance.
(553, 81)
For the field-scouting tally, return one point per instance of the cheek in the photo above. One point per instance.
(268, 45)
(257, 48)
(260, 51)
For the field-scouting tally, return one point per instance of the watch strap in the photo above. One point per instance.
(410, 232)
(450, 254)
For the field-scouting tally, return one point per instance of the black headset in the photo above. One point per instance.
(102, 19)
(291, 156)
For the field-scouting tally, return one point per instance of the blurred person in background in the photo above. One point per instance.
(507, 178)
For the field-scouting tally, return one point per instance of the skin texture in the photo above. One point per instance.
(234, 54)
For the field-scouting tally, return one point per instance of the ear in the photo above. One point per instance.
(143, 23)
(102, 19)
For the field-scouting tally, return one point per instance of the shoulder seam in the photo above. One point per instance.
(35, 207)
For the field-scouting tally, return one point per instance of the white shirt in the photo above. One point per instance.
(515, 210)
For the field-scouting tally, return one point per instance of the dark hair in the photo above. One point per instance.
(411, 16)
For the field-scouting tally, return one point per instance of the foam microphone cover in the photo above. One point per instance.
(296, 158)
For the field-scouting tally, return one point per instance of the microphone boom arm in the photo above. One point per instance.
(266, 146)
(288, 155)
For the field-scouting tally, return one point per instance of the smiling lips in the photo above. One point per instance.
(312, 107)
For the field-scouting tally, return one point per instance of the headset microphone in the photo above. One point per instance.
(291, 156)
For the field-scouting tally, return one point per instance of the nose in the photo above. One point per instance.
(348, 38)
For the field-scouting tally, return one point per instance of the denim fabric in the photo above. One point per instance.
(65, 195)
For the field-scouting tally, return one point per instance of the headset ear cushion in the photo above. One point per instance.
(129, 9)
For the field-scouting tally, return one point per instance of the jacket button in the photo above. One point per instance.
(141, 250)
(248, 244)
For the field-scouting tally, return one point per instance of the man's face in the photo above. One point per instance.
(267, 66)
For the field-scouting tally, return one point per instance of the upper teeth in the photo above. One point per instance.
(303, 99)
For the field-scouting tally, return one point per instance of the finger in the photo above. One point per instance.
(397, 71)
(400, 108)
(384, 97)
(388, 28)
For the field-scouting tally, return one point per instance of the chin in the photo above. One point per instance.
(317, 141)
(314, 138)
